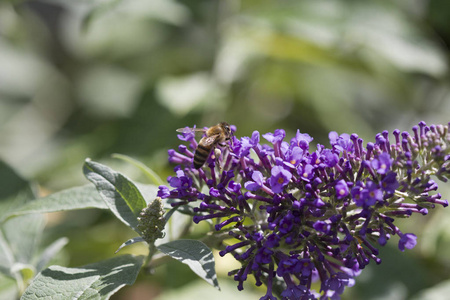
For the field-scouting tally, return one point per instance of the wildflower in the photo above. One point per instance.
(301, 140)
(280, 178)
(407, 241)
(341, 189)
(300, 216)
(293, 157)
(249, 143)
(256, 183)
(382, 163)
(371, 193)
(187, 135)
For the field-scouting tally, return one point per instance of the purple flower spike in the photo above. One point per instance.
(301, 216)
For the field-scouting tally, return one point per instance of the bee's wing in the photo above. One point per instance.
(210, 140)
(187, 129)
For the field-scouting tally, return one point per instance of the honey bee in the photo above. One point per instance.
(215, 135)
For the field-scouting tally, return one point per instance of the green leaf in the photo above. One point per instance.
(148, 191)
(198, 290)
(196, 255)
(131, 242)
(6, 256)
(19, 237)
(50, 252)
(8, 288)
(23, 236)
(120, 194)
(74, 198)
(96, 11)
(26, 271)
(94, 281)
(439, 291)
(19, 241)
(14, 192)
(170, 213)
(151, 175)
(11, 182)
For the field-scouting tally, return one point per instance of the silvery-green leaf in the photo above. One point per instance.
(120, 193)
(196, 255)
(94, 281)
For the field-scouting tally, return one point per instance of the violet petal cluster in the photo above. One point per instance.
(311, 219)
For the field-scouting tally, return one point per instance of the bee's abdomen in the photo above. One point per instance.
(200, 156)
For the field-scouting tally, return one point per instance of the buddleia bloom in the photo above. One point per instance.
(151, 221)
(296, 216)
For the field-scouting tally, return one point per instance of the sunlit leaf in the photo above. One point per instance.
(130, 242)
(196, 255)
(151, 175)
(81, 197)
(50, 252)
(94, 281)
(438, 292)
(120, 194)
(8, 288)
(14, 192)
(181, 95)
(6, 256)
(23, 235)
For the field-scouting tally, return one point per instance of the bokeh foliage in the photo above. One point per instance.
(90, 78)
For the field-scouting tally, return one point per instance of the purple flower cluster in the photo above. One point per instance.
(296, 216)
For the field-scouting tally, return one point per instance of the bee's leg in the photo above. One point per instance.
(230, 141)
(217, 154)
(227, 145)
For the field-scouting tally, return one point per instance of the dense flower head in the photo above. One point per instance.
(296, 216)
(151, 221)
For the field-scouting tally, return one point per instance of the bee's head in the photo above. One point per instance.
(226, 127)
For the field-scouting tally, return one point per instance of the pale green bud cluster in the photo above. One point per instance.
(152, 221)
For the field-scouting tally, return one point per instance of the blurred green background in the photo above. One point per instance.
(90, 78)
